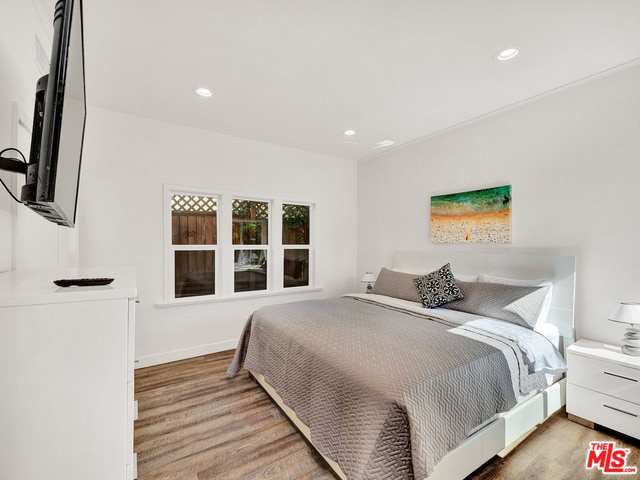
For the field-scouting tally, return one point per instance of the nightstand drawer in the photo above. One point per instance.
(613, 379)
(604, 410)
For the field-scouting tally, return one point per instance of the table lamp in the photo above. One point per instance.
(369, 279)
(629, 313)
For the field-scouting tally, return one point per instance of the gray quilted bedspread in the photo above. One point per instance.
(384, 392)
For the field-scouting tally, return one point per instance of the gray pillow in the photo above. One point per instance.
(512, 303)
(438, 287)
(397, 285)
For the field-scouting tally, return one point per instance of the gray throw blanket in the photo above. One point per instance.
(385, 393)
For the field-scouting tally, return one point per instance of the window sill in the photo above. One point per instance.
(236, 297)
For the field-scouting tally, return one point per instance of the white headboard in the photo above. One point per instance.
(560, 269)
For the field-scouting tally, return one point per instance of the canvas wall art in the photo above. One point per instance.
(478, 216)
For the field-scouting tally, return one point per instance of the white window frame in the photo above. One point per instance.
(229, 260)
(170, 248)
(225, 250)
(309, 246)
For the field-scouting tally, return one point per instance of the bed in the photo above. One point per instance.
(385, 388)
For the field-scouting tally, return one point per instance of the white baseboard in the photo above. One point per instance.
(165, 357)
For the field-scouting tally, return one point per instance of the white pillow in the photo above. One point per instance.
(543, 313)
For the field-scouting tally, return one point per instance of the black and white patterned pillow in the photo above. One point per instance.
(438, 287)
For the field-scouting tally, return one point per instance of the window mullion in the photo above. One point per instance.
(277, 254)
(228, 250)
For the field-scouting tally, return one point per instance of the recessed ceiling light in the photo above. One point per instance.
(203, 92)
(385, 143)
(506, 54)
(349, 133)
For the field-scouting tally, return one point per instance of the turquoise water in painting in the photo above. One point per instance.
(476, 201)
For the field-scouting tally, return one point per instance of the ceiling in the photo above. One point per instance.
(299, 72)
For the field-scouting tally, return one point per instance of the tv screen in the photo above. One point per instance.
(53, 173)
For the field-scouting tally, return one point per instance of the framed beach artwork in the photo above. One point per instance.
(478, 216)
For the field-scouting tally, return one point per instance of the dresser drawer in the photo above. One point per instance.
(604, 410)
(603, 376)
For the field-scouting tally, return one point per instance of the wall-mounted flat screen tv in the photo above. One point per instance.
(53, 170)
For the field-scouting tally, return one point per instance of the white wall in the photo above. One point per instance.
(17, 85)
(573, 159)
(127, 160)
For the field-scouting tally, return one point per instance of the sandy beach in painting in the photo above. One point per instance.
(481, 227)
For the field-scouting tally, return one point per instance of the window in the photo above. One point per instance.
(194, 229)
(250, 229)
(296, 244)
(221, 245)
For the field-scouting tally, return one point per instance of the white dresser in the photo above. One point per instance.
(66, 373)
(603, 386)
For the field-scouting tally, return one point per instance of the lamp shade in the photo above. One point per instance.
(626, 312)
(368, 278)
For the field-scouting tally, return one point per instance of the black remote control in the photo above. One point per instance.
(83, 282)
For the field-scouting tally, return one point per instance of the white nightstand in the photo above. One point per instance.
(603, 386)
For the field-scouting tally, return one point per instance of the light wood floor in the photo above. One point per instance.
(195, 424)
